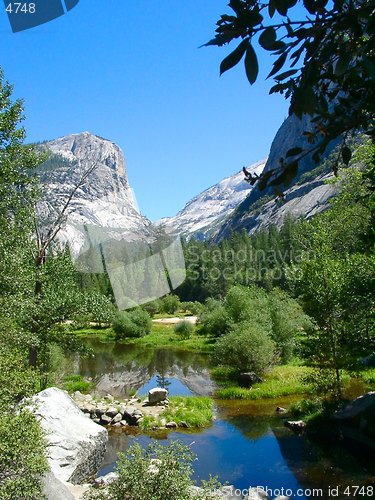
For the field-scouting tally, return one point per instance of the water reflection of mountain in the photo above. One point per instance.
(121, 369)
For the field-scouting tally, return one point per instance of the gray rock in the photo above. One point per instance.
(171, 425)
(360, 405)
(295, 425)
(124, 423)
(100, 410)
(357, 420)
(78, 396)
(76, 445)
(157, 395)
(280, 409)
(129, 411)
(107, 479)
(54, 489)
(117, 418)
(105, 419)
(131, 416)
(111, 412)
(122, 409)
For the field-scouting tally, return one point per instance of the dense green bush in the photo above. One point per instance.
(274, 312)
(22, 458)
(170, 304)
(214, 320)
(74, 383)
(135, 323)
(155, 473)
(22, 447)
(248, 304)
(247, 347)
(184, 329)
(194, 308)
(97, 308)
(152, 307)
(289, 323)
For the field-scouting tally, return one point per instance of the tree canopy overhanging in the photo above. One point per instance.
(324, 62)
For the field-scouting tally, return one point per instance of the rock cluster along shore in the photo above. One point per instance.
(117, 414)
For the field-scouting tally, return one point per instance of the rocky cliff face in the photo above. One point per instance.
(302, 198)
(233, 205)
(204, 214)
(104, 200)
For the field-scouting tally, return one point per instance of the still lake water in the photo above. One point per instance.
(247, 444)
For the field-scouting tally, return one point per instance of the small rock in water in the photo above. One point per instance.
(280, 409)
(295, 425)
(170, 425)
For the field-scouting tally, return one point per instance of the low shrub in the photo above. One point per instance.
(170, 304)
(247, 347)
(194, 308)
(74, 383)
(184, 329)
(135, 323)
(152, 307)
(306, 408)
(214, 319)
(156, 472)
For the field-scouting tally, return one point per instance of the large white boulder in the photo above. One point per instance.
(76, 444)
(157, 395)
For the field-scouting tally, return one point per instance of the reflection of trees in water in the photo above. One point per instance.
(308, 458)
(251, 427)
(162, 382)
(113, 357)
(121, 367)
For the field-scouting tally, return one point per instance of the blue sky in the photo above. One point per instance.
(131, 71)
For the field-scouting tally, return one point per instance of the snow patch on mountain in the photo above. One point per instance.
(207, 211)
